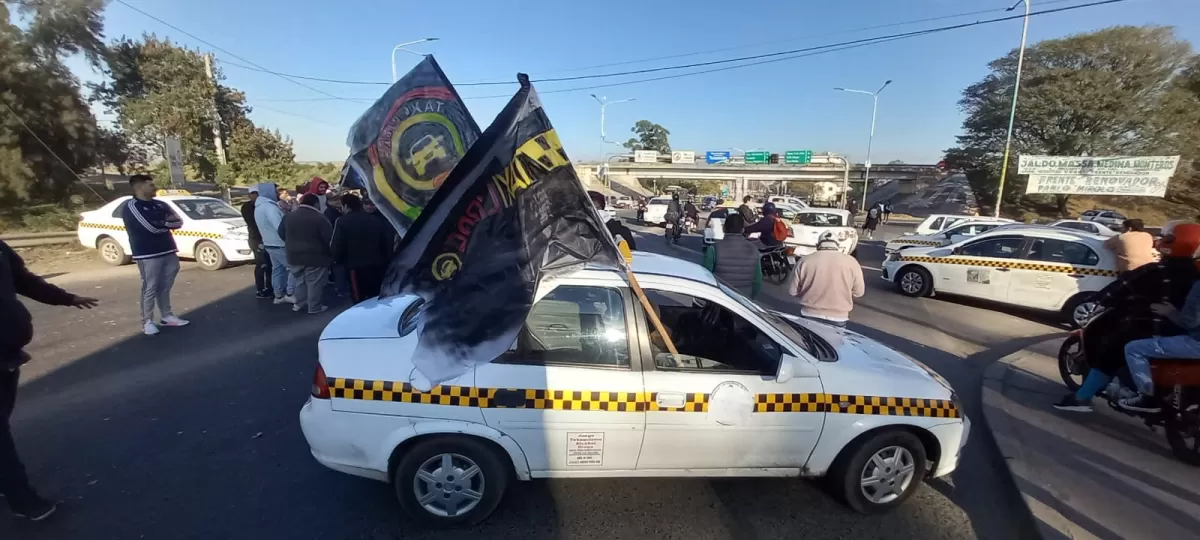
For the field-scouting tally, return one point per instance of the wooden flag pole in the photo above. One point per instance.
(650, 313)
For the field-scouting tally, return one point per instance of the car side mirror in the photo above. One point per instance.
(956, 251)
(787, 368)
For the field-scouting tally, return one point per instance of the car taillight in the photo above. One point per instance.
(320, 386)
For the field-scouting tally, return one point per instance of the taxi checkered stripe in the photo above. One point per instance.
(917, 242)
(568, 400)
(198, 234)
(1016, 265)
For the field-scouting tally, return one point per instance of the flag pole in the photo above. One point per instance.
(646, 305)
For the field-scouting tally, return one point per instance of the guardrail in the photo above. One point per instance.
(18, 240)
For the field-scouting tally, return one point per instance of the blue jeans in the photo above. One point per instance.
(1139, 352)
(281, 280)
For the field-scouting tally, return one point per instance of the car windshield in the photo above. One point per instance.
(803, 337)
(820, 219)
(206, 209)
(658, 201)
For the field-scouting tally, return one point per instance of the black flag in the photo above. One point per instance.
(511, 213)
(404, 147)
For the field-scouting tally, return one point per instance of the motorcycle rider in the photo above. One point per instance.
(766, 227)
(693, 213)
(614, 225)
(641, 210)
(1167, 282)
(826, 282)
(674, 214)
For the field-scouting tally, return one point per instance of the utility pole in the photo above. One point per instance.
(216, 127)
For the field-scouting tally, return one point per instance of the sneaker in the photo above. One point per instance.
(318, 309)
(1140, 403)
(149, 328)
(297, 307)
(264, 294)
(1070, 403)
(171, 320)
(32, 507)
(289, 299)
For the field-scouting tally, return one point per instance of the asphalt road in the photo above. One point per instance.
(193, 433)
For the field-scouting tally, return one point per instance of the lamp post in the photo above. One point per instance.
(870, 141)
(401, 47)
(1012, 115)
(604, 103)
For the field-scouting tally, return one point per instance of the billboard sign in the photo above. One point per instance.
(797, 157)
(683, 156)
(1113, 175)
(759, 158)
(645, 156)
(713, 158)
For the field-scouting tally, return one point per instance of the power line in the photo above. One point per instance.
(201, 40)
(301, 116)
(48, 149)
(739, 59)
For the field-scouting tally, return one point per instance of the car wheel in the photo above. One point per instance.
(112, 253)
(914, 281)
(210, 256)
(450, 481)
(1079, 309)
(880, 473)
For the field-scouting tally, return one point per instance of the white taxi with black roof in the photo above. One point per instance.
(953, 234)
(589, 389)
(213, 232)
(1034, 266)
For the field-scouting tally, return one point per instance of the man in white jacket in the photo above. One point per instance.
(268, 216)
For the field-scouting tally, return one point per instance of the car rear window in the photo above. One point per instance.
(658, 201)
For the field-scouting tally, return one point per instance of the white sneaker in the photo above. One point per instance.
(149, 328)
(289, 299)
(297, 307)
(171, 320)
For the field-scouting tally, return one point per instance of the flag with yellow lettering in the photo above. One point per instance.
(511, 213)
(403, 148)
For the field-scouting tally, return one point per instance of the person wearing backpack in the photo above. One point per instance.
(873, 217)
(771, 230)
(735, 259)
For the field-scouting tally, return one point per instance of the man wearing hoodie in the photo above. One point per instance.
(268, 216)
(319, 187)
(15, 334)
(262, 261)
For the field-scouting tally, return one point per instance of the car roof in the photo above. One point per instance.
(1045, 231)
(662, 265)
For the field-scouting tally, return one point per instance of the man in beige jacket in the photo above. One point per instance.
(1134, 247)
(826, 282)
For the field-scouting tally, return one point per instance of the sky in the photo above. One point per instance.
(778, 106)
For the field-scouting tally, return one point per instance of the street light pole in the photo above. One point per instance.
(401, 47)
(604, 104)
(1012, 115)
(870, 140)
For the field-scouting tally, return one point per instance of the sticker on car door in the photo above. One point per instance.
(585, 449)
(979, 275)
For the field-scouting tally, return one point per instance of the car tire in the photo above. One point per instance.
(429, 459)
(900, 469)
(914, 281)
(1078, 303)
(112, 253)
(209, 256)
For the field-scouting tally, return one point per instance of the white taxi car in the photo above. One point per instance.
(656, 210)
(939, 222)
(1046, 268)
(953, 234)
(811, 224)
(588, 390)
(213, 232)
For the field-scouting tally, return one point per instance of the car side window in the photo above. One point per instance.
(119, 211)
(1004, 247)
(937, 224)
(1062, 251)
(574, 325)
(709, 338)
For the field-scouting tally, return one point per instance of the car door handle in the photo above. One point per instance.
(670, 400)
(1002, 269)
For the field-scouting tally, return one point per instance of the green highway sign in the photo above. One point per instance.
(797, 157)
(759, 158)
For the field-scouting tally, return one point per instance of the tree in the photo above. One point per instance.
(257, 154)
(650, 136)
(43, 117)
(1111, 92)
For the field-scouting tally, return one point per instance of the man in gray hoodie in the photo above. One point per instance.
(268, 216)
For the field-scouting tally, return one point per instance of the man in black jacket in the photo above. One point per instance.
(306, 234)
(363, 244)
(262, 261)
(614, 225)
(16, 332)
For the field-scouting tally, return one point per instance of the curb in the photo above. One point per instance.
(1050, 523)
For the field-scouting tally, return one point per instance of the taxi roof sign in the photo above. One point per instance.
(163, 192)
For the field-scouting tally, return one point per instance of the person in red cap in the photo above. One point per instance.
(319, 187)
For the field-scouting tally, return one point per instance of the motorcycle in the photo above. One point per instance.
(776, 263)
(689, 226)
(1176, 382)
(641, 213)
(673, 230)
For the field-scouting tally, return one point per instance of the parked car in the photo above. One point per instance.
(588, 391)
(213, 232)
(1108, 218)
(810, 224)
(1093, 227)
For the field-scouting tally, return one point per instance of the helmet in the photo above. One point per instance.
(768, 208)
(675, 195)
(1182, 241)
(827, 242)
